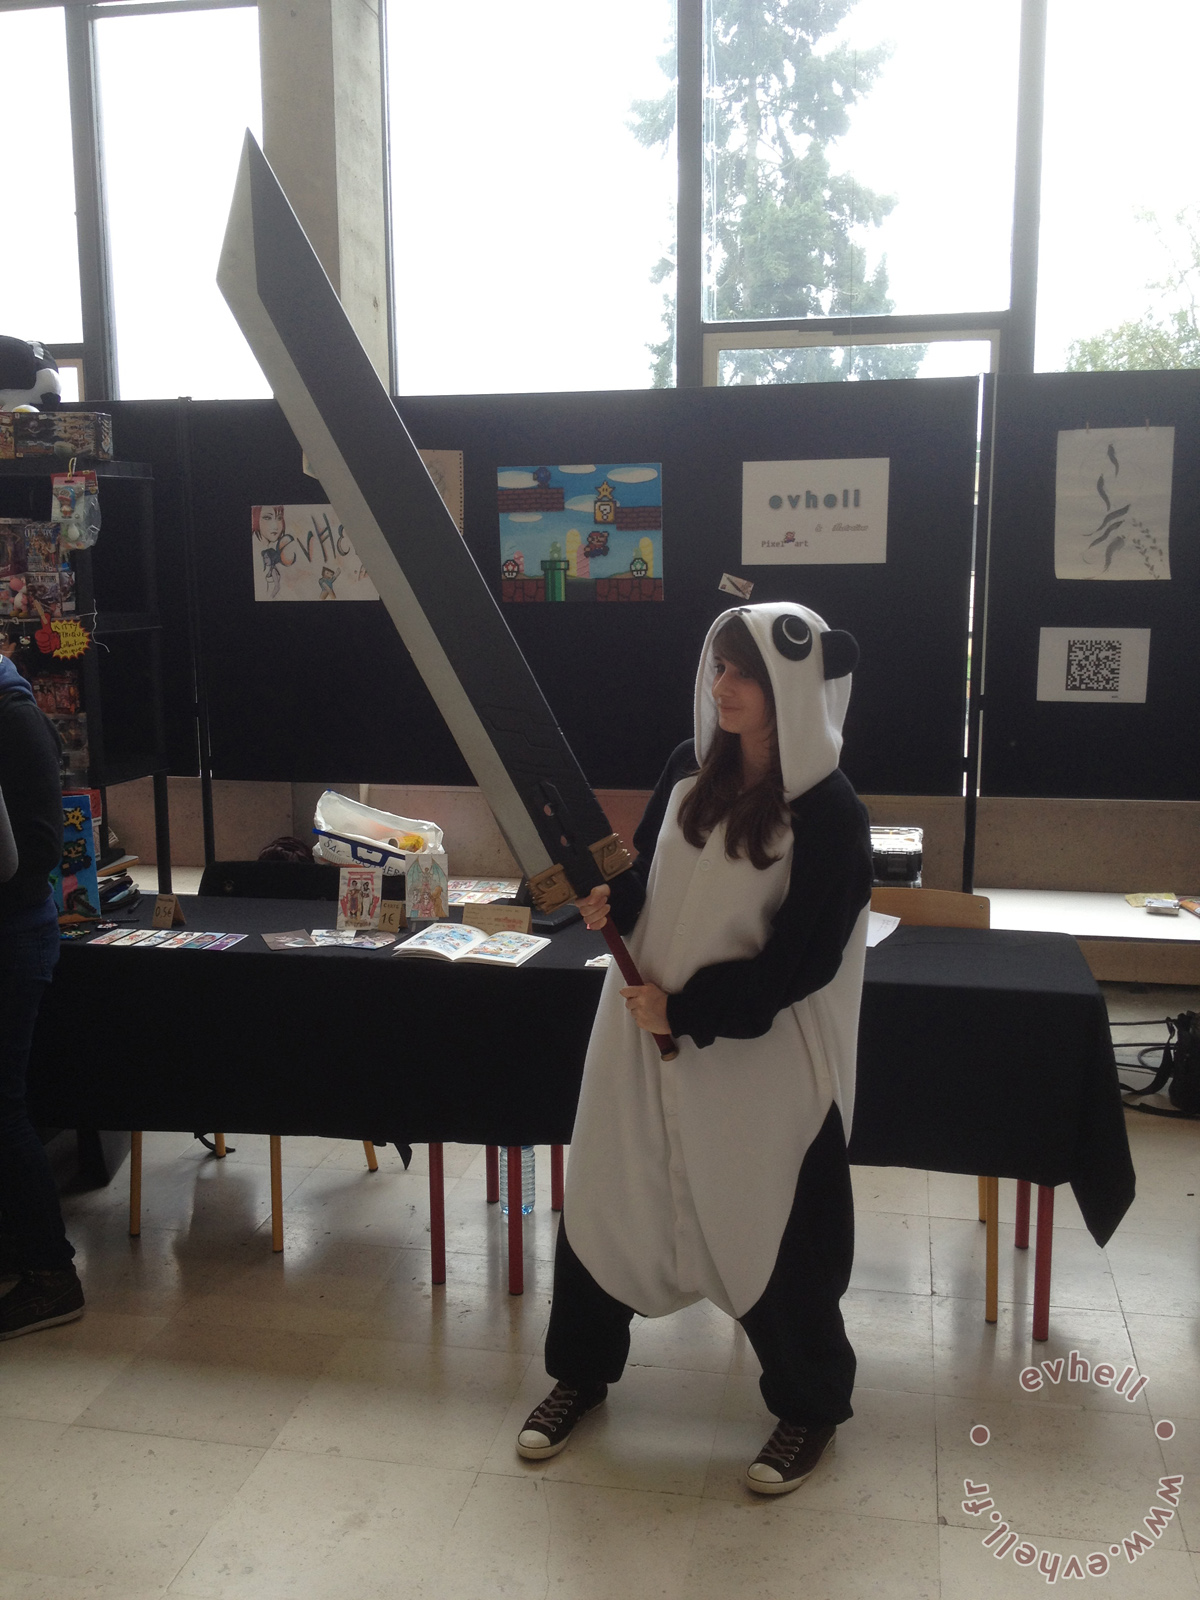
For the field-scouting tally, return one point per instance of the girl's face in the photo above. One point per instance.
(270, 521)
(740, 701)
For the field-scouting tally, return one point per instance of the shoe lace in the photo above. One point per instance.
(554, 1407)
(784, 1443)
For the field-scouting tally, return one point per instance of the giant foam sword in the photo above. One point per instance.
(359, 449)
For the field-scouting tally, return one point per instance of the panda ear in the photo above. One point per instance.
(839, 652)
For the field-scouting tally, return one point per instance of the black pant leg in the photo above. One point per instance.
(796, 1325)
(588, 1338)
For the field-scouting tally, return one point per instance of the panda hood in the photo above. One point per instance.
(809, 665)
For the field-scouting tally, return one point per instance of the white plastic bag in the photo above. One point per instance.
(350, 834)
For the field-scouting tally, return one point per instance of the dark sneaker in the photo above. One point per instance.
(41, 1300)
(548, 1428)
(788, 1457)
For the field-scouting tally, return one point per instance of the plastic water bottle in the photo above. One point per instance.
(527, 1179)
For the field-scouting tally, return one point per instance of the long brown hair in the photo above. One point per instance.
(752, 816)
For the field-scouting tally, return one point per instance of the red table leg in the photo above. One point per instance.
(1041, 1264)
(437, 1213)
(556, 1177)
(1021, 1240)
(516, 1231)
(493, 1174)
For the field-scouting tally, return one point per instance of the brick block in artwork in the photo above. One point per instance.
(629, 589)
(520, 590)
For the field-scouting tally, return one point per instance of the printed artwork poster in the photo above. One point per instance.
(587, 532)
(1094, 664)
(304, 553)
(815, 513)
(1112, 503)
(360, 891)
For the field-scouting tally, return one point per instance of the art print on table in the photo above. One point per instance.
(587, 532)
(304, 553)
(1112, 503)
(426, 886)
(1094, 664)
(815, 513)
(360, 892)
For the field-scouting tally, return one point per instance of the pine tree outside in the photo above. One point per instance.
(798, 98)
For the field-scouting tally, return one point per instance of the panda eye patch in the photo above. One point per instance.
(792, 637)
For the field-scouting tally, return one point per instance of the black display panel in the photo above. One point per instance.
(312, 691)
(1089, 750)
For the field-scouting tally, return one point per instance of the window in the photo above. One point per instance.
(1119, 163)
(39, 265)
(807, 358)
(177, 93)
(527, 218)
(859, 157)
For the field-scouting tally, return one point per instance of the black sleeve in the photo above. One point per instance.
(628, 889)
(33, 797)
(830, 884)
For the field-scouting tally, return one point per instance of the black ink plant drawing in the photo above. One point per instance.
(1105, 538)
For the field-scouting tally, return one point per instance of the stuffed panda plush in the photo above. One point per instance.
(28, 375)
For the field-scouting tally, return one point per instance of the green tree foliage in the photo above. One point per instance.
(780, 223)
(1165, 338)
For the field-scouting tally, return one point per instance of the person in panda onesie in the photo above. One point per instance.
(723, 1175)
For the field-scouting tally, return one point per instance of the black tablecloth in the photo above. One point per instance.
(979, 1052)
(988, 1051)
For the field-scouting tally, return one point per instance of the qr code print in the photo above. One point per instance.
(1094, 665)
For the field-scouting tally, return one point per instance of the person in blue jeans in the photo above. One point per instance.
(33, 1242)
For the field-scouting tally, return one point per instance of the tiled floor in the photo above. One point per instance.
(226, 1424)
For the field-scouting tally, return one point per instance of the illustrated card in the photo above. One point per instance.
(809, 513)
(1112, 503)
(586, 532)
(360, 893)
(304, 553)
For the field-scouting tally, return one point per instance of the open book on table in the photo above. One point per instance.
(454, 941)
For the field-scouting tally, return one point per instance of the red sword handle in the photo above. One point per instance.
(667, 1047)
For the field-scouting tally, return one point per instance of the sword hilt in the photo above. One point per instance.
(667, 1048)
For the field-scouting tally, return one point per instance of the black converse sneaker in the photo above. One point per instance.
(41, 1300)
(788, 1457)
(549, 1426)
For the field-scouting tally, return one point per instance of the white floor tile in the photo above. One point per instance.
(307, 1527)
(407, 1403)
(117, 1508)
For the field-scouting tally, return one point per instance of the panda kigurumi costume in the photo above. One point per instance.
(722, 1175)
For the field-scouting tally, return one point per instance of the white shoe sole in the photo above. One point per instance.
(785, 1485)
(48, 1322)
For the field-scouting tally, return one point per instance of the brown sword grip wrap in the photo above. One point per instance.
(667, 1048)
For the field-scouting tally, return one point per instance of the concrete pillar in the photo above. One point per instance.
(323, 134)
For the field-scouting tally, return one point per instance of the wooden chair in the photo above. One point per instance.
(219, 1150)
(950, 908)
(243, 880)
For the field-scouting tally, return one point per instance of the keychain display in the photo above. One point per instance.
(75, 507)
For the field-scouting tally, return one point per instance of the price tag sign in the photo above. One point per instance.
(391, 915)
(168, 913)
(499, 919)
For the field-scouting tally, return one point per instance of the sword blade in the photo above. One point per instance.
(361, 452)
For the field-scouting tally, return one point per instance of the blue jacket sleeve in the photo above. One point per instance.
(830, 883)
